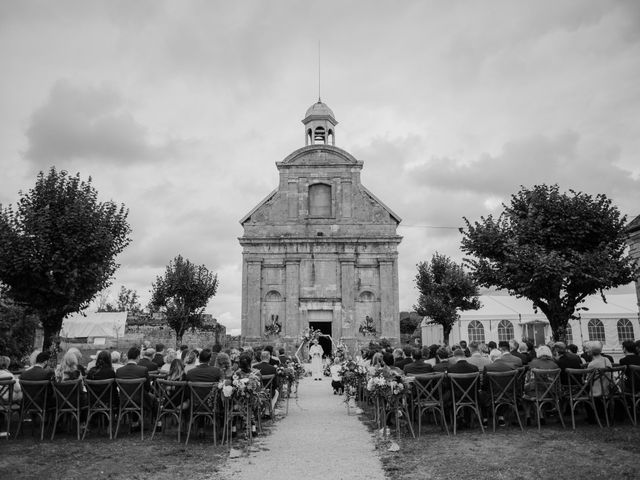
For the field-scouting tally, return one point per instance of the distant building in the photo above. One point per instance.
(633, 240)
(506, 317)
(320, 250)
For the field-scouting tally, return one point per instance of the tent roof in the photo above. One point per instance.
(512, 308)
(94, 324)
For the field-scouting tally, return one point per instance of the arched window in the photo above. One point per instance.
(366, 296)
(569, 334)
(625, 330)
(273, 296)
(596, 330)
(505, 331)
(319, 135)
(320, 200)
(476, 332)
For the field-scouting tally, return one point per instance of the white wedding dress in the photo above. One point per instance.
(316, 352)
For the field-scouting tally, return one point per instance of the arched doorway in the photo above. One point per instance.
(324, 340)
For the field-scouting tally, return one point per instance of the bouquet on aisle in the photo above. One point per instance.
(386, 384)
(286, 373)
(245, 388)
(298, 371)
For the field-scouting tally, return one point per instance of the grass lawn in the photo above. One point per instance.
(588, 453)
(162, 458)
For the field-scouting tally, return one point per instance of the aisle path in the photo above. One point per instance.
(316, 440)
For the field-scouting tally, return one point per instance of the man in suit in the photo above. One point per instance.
(418, 365)
(476, 357)
(442, 355)
(514, 349)
(132, 370)
(265, 368)
(507, 356)
(146, 361)
(38, 372)
(461, 365)
(283, 357)
(565, 359)
(158, 358)
(273, 360)
(407, 358)
(204, 372)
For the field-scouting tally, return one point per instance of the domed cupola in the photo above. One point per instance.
(319, 125)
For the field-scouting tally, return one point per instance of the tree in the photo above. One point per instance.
(17, 330)
(553, 248)
(58, 247)
(128, 301)
(409, 321)
(445, 288)
(182, 294)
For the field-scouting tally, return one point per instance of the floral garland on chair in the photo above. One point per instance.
(274, 328)
(368, 327)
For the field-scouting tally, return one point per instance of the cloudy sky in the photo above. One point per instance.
(180, 109)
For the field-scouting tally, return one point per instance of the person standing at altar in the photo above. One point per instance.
(316, 352)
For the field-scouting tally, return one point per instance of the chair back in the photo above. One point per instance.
(35, 395)
(427, 388)
(464, 388)
(268, 382)
(633, 378)
(503, 386)
(204, 397)
(67, 395)
(546, 383)
(616, 379)
(6, 394)
(580, 383)
(171, 394)
(100, 394)
(131, 393)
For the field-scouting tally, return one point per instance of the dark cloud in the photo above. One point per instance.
(86, 123)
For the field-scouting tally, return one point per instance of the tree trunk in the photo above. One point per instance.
(49, 332)
(446, 331)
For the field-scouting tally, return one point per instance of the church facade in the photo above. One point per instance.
(320, 250)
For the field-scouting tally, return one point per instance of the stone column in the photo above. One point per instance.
(390, 327)
(253, 330)
(348, 294)
(292, 326)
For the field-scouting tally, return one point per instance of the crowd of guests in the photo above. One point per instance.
(490, 357)
(210, 364)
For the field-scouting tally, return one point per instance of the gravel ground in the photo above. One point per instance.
(316, 440)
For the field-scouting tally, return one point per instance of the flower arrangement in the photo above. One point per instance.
(240, 388)
(286, 373)
(353, 375)
(274, 328)
(367, 327)
(386, 384)
(298, 371)
(309, 335)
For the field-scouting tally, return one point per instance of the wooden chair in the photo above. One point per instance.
(504, 393)
(171, 397)
(269, 385)
(100, 401)
(204, 405)
(546, 391)
(67, 395)
(580, 390)
(632, 389)
(612, 385)
(7, 405)
(234, 410)
(131, 401)
(35, 402)
(427, 397)
(464, 394)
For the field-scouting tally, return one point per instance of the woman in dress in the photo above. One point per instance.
(316, 352)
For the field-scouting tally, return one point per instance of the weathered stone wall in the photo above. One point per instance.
(633, 240)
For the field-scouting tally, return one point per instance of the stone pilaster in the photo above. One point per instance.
(292, 326)
(388, 312)
(348, 294)
(253, 321)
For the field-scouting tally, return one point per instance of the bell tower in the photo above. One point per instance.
(319, 125)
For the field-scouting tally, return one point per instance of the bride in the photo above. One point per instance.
(316, 352)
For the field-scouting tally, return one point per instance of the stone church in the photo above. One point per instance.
(320, 250)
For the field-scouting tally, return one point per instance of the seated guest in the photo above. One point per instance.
(132, 370)
(283, 357)
(476, 357)
(215, 350)
(523, 350)
(465, 349)
(494, 352)
(93, 358)
(461, 365)
(544, 359)
(103, 369)
(223, 362)
(264, 366)
(336, 378)
(418, 365)
(41, 371)
(630, 355)
(5, 374)
(115, 360)
(204, 372)
(429, 354)
(506, 356)
(442, 359)
(146, 360)
(599, 361)
(68, 368)
(398, 355)
(514, 349)
(586, 352)
(76, 351)
(565, 359)
(190, 359)
(405, 358)
(387, 358)
(168, 359)
(176, 371)
(158, 358)
(273, 360)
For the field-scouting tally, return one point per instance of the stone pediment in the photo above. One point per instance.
(319, 155)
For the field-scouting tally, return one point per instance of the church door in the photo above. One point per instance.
(325, 341)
